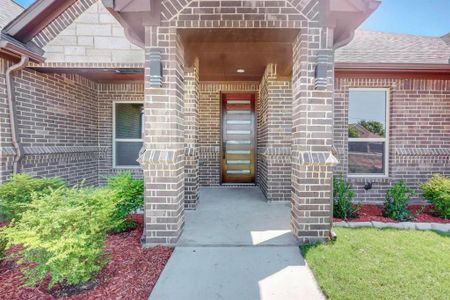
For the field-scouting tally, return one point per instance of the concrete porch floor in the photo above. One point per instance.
(236, 246)
(237, 216)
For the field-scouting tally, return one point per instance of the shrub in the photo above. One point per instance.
(396, 201)
(16, 193)
(3, 243)
(437, 192)
(63, 234)
(130, 193)
(342, 199)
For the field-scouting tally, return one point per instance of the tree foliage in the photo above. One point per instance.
(373, 126)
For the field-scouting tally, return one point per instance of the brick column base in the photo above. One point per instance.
(311, 211)
(191, 183)
(164, 196)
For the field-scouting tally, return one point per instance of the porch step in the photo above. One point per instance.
(238, 184)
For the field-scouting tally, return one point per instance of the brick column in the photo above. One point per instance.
(312, 134)
(191, 138)
(274, 135)
(162, 160)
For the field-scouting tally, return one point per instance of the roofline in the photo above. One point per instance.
(42, 12)
(15, 50)
(349, 20)
(393, 67)
(19, 5)
(35, 18)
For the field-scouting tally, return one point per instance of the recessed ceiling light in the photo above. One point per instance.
(240, 70)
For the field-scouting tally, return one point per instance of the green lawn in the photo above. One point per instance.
(382, 264)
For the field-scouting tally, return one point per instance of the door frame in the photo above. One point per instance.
(255, 138)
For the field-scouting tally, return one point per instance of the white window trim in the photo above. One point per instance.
(385, 139)
(114, 140)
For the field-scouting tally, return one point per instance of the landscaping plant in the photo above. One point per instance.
(342, 199)
(396, 202)
(16, 193)
(130, 193)
(63, 234)
(3, 244)
(437, 192)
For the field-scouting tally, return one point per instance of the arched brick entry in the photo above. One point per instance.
(164, 159)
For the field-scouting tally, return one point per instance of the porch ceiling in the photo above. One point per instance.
(221, 52)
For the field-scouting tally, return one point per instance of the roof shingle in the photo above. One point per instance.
(383, 47)
(9, 10)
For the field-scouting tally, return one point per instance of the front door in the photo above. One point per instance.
(238, 138)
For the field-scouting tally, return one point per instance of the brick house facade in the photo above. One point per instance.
(89, 59)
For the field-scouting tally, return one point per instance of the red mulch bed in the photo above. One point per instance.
(131, 273)
(369, 213)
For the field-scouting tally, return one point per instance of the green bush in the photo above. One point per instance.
(63, 235)
(396, 201)
(16, 193)
(3, 244)
(130, 193)
(342, 199)
(437, 192)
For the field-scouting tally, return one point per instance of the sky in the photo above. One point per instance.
(419, 17)
(24, 3)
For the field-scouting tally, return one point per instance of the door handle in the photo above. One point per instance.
(223, 149)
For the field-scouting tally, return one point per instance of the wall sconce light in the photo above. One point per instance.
(321, 71)
(155, 68)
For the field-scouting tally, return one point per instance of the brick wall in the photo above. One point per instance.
(262, 137)
(107, 94)
(57, 123)
(163, 160)
(191, 137)
(65, 124)
(209, 122)
(312, 134)
(243, 14)
(419, 139)
(274, 136)
(94, 36)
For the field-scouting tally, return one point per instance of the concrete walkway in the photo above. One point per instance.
(236, 246)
